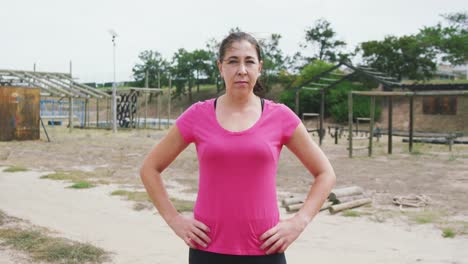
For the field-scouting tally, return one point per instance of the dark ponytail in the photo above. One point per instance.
(258, 89)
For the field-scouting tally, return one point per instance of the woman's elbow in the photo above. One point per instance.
(145, 170)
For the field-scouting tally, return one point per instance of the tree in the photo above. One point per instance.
(212, 47)
(273, 58)
(182, 70)
(399, 57)
(201, 64)
(449, 40)
(151, 62)
(322, 38)
(234, 30)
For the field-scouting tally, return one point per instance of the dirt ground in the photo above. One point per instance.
(114, 159)
(431, 170)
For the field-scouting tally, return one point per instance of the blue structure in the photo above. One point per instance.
(57, 110)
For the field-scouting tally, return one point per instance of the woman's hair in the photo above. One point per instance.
(236, 37)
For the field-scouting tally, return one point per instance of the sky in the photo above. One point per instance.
(51, 33)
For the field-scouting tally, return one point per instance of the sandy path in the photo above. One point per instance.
(142, 237)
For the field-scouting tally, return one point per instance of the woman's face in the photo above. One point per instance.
(240, 67)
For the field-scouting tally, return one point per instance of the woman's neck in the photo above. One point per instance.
(239, 102)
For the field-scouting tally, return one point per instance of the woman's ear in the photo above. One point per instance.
(220, 67)
(260, 67)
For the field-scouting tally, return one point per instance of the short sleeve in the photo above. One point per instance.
(290, 121)
(186, 123)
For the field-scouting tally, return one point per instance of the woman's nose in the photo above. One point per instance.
(242, 69)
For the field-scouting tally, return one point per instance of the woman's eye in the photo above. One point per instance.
(251, 62)
(232, 62)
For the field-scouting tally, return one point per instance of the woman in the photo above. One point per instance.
(238, 137)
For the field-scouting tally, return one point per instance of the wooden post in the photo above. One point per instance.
(169, 101)
(70, 103)
(350, 123)
(159, 110)
(97, 112)
(159, 101)
(322, 113)
(70, 113)
(146, 98)
(390, 123)
(411, 123)
(146, 108)
(336, 135)
(108, 113)
(450, 142)
(371, 126)
(137, 114)
(297, 102)
(86, 116)
(159, 80)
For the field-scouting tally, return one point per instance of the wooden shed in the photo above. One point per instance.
(19, 113)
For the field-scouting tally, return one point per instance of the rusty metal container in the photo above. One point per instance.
(19, 113)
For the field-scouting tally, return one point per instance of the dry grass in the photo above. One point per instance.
(79, 179)
(15, 169)
(448, 232)
(351, 213)
(42, 247)
(133, 195)
(425, 216)
(183, 205)
(81, 185)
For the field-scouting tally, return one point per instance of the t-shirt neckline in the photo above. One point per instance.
(242, 132)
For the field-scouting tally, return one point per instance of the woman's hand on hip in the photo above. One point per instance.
(281, 236)
(190, 230)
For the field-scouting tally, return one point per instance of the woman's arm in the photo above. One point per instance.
(282, 235)
(154, 164)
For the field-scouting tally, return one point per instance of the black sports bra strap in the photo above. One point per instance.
(261, 100)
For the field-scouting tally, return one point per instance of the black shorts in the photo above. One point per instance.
(204, 257)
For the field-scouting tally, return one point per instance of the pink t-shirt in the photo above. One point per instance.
(237, 186)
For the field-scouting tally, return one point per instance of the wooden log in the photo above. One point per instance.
(345, 199)
(296, 207)
(293, 200)
(349, 205)
(326, 205)
(342, 192)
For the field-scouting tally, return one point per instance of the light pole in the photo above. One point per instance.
(114, 86)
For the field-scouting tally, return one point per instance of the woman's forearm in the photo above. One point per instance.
(154, 185)
(317, 195)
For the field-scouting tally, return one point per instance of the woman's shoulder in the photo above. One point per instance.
(274, 106)
(202, 105)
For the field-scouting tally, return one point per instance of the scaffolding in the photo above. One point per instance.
(389, 95)
(56, 87)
